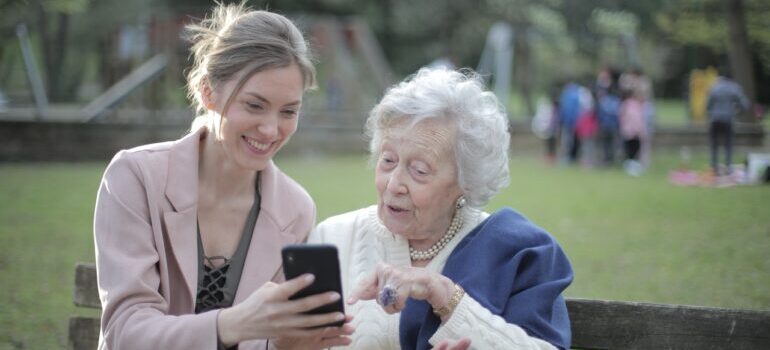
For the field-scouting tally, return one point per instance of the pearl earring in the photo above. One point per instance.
(460, 202)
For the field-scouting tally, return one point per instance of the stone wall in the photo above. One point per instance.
(68, 141)
(27, 141)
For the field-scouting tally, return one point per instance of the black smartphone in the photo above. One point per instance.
(321, 260)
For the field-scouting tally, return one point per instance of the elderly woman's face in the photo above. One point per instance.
(416, 179)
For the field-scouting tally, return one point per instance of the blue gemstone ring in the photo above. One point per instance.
(387, 296)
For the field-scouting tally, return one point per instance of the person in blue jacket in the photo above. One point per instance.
(569, 112)
(608, 107)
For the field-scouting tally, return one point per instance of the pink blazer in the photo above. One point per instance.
(147, 253)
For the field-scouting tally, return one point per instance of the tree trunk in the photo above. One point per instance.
(523, 67)
(53, 49)
(386, 8)
(8, 65)
(739, 51)
(45, 44)
(57, 54)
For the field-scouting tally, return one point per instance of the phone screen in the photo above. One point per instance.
(322, 261)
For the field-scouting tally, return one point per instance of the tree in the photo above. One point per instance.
(739, 52)
(11, 14)
(737, 30)
(52, 20)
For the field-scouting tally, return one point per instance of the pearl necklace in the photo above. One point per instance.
(430, 253)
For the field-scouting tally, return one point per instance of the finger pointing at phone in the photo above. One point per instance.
(390, 286)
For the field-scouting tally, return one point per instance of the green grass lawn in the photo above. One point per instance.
(638, 239)
(671, 113)
(46, 213)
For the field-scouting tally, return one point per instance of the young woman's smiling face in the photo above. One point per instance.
(416, 179)
(261, 117)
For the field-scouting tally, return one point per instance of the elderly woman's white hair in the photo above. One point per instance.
(482, 138)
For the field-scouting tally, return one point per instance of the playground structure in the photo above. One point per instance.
(108, 99)
(352, 74)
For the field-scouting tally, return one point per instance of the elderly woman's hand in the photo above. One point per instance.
(392, 285)
(461, 344)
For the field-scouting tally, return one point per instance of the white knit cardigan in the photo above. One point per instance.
(363, 242)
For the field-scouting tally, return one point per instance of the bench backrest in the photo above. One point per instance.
(596, 324)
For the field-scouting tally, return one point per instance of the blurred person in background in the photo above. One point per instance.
(545, 123)
(605, 77)
(632, 130)
(426, 265)
(725, 101)
(608, 106)
(188, 234)
(569, 113)
(635, 83)
(644, 90)
(587, 128)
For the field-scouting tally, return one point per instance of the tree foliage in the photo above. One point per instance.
(703, 23)
(554, 38)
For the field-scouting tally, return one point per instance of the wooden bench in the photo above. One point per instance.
(596, 324)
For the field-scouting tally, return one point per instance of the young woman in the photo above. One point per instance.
(188, 233)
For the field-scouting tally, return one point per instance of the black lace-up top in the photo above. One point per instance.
(217, 285)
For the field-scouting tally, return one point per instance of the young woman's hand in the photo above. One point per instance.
(269, 314)
(330, 337)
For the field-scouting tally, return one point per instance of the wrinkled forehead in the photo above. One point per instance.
(436, 135)
(403, 124)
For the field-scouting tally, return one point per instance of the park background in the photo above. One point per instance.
(629, 238)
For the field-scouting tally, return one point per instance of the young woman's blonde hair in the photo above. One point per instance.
(236, 42)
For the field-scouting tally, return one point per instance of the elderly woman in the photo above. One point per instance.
(426, 265)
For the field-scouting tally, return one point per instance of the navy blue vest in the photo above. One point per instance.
(513, 268)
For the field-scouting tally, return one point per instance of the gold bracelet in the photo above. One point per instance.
(452, 304)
